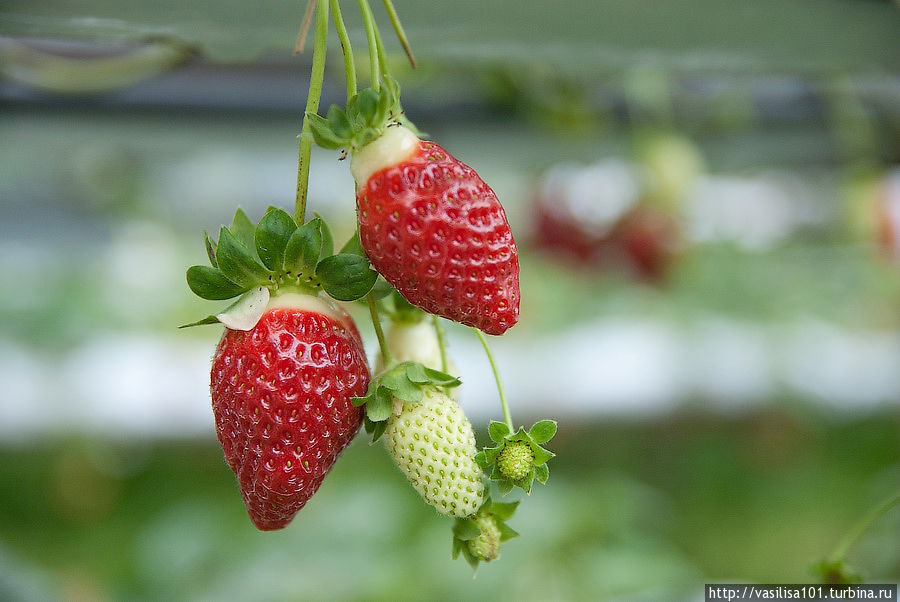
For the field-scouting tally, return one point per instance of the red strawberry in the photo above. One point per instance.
(281, 398)
(436, 231)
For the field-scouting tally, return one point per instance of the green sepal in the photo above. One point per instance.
(353, 246)
(322, 133)
(404, 311)
(243, 230)
(346, 277)
(542, 431)
(381, 289)
(402, 387)
(376, 429)
(203, 322)
(338, 123)
(488, 457)
(506, 532)
(378, 408)
(498, 431)
(465, 529)
(210, 283)
(237, 263)
(304, 247)
(210, 249)
(327, 239)
(271, 237)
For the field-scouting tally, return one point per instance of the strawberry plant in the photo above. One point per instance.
(290, 383)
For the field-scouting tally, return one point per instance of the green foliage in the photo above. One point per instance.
(363, 119)
(406, 382)
(492, 517)
(518, 458)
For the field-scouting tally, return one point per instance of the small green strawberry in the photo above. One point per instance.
(518, 458)
(433, 444)
(478, 537)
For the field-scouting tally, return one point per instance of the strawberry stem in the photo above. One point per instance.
(304, 28)
(382, 55)
(852, 536)
(442, 341)
(398, 28)
(312, 106)
(371, 29)
(379, 333)
(506, 415)
(346, 49)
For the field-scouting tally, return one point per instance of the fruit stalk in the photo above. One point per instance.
(398, 28)
(312, 105)
(442, 341)
(346, 48)
(507, 418)
(371, 29)
(379, 332)
(848, 541)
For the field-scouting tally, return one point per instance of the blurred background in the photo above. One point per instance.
(706, 198)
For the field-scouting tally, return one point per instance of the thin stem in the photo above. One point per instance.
(379, 333)
(304, 27)
(852, 536)
(442, 342)
(506, 416)
(401, 35)
(371, 29)
(312, 106)
(382, 55)
(349, 64)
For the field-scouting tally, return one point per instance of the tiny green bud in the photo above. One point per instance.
(516, 460)
(486, 546)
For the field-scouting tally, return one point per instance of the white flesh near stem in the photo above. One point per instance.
(395, 145)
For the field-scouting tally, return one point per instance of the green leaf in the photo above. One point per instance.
(492, 453)
(543, 431)
(237, 263)
(381, 289)
(358, 401)
(322, 133)
(210, 250)
(210, 283)
(243, 230)
(379, 407)
(378, 430)
(272, 235)
(303, 248)
(327, 239)
(416, 373)
(353, 246)
(504, 486)
(404, 310)
(457, 546)
(465, 529)
(542, 473)
(402, 387)
(525, 482)
(504, 511)
(541, 455)
(346, 277)
(506, 532)
(338, 123)
(498, 431)
(481, 460)
(206, 320)
(367, 107)
(442, 379)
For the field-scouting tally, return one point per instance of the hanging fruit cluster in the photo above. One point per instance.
(290, 383)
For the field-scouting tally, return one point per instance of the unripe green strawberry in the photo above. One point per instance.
(486, 546)
(516, 460)
(433, 444)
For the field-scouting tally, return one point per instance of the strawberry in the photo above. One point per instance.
(479, 537)
(428, 223)
(281, 398)
(433, 445)
(290, 361)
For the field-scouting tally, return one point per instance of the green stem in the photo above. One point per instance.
(382, 55)
(312, 106)
(346, 48)
(506, 416)
(401, 35)
(379, 333)
(442, 342)
(371, 29)
(852, 536)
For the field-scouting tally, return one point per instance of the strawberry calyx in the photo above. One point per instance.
(518, 458)
(404, 382)
(275, 257)
(478, 537)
